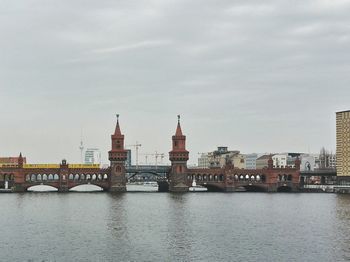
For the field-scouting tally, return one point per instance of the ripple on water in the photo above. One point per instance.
(175, 227)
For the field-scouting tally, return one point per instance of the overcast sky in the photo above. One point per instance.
(256, 76)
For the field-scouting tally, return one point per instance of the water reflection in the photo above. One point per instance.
(343, 225)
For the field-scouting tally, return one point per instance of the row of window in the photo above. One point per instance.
(206, 177)
(250, 177)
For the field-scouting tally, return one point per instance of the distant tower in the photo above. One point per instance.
(117, 156)
(178, 157)
(81, 147)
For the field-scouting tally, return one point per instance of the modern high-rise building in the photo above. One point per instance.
(92, 156)
(128, 157)
(343, 145)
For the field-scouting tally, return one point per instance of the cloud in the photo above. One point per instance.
(132, 46)
(247, 67)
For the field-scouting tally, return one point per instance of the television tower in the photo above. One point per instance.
(81, 147)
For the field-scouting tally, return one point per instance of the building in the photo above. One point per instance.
(11, 160)
(262, 161)
(128, 157)
(203, 161)
(308, 162)
(222, 156)
(250, 161)
(326, 159)
(343, 146)
(280, 160)
(92, 156)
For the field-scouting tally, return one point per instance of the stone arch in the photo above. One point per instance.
(82, 177)
(94, 177)
(27, 177)
(71, 177)
(50, 177)
(39, 177)
(44, 177)
(99, 177)
(105, 176)
(43, 188)
(221, 177)
(93, 187)
(33, 177)
(56, 177)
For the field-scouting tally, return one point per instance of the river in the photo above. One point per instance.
(144, 226)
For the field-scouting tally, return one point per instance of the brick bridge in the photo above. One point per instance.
(177, 177)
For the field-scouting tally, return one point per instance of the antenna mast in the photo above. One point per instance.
(81, 147)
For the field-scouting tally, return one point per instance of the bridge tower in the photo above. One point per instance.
(117, 157)
(178, 157)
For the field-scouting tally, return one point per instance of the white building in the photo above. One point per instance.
(280, 160)
(203, 161)
(250, 161)
(308, 162)
(92, 156)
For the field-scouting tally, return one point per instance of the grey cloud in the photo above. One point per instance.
(237, 71)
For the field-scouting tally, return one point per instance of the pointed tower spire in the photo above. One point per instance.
(117, 155)
(178, 129)
(178, 157)
(20, 160)
(117, 131)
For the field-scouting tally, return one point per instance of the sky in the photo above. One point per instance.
(256, 76)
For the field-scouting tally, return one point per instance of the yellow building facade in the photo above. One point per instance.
(343, 143)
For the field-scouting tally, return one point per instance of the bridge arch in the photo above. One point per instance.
(87, 188)
(146, 172)
(42, 188)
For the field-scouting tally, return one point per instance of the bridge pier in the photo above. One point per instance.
(18, 188)
(117, 189)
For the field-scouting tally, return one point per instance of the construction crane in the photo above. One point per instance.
(156, 156)
(137, 146)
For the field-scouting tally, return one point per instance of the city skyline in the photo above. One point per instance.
(256, 77)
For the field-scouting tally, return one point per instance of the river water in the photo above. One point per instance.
(174, 227)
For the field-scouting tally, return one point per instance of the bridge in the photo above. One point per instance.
(230, 179)
(147, 172)
(177, 177)
(326, 176)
